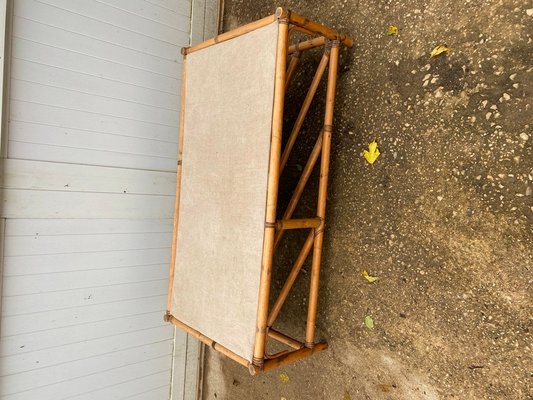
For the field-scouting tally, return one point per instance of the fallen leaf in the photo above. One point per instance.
(440, 49)
(392, 30)
(372, 153)
(369, 277)
(284, 377)
(369, 322)
(346, 396)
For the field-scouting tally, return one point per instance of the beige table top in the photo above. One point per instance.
(227, 131)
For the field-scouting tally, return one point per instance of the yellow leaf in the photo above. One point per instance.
(440, 49)
(392, 30)
(284, 377)
(369, 277)
(346, 396)
(372, 153)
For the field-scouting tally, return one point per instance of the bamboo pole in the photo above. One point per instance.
(306, 173)
(178, 187)
(329, 33)
(276, 355)
(293, 356)
(303, 223)
(191, 331)
(307, 44)
(272, 194)
(284, 339)
(296, 28)
(252, 26)
(209, 342)
(291, 278)
(305, 108)
(293, 64)
(322, 195)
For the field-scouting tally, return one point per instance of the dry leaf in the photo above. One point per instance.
(369, 277)
(346, 396)
(284, 377)
(392, 30)
(372, 153)
(440, 49)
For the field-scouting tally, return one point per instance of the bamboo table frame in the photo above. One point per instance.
(318, 36)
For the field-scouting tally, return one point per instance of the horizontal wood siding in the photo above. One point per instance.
(97, 82)
(79, 296)
(88, 195)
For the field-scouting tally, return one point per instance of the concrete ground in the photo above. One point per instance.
(444, 217)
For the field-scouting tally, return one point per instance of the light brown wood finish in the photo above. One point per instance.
(291, 69)
(307, 44)
(178, 186)
(306, 173)
(296, 28)
(276, 355)
(272, 194)
(293, 356)
(305, 108)
(322, 195)
(315, 27)
(276, 308)
(204, 339)
(322, 148)
(280, 337)
(303, 223)
(232, 34)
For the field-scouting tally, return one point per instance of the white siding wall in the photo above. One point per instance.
(88, 199)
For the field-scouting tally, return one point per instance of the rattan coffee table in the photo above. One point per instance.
(226, 228)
